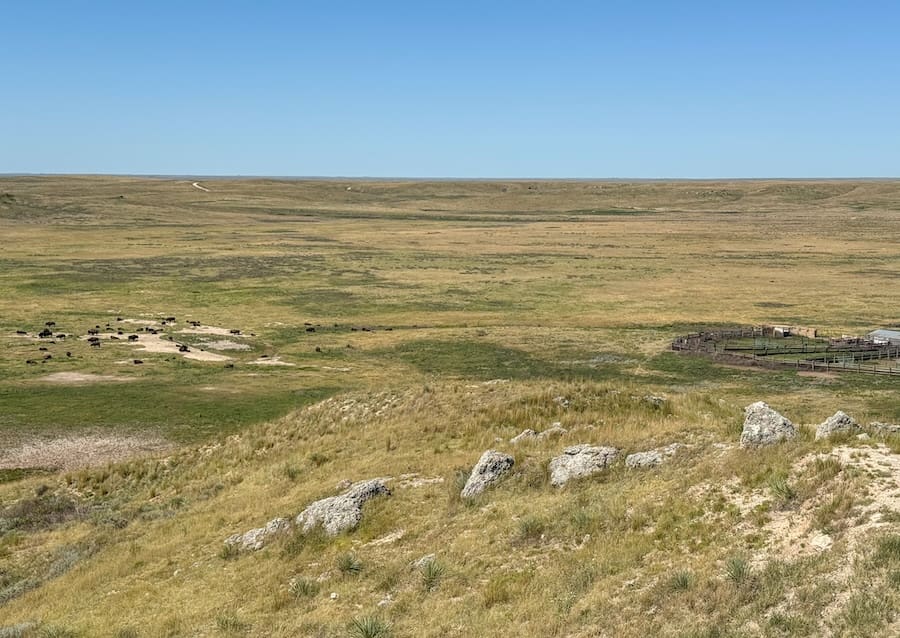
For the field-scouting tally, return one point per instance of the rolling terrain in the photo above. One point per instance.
(293, 337)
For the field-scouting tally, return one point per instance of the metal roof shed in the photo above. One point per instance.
(891, 337)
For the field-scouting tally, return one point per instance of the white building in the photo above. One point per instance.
(885, 337)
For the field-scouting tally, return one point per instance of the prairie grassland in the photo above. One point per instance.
(482, 304)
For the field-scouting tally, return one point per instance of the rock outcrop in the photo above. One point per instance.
(884, 428)
(651, 458)
(765, 426)
(837, 423)
(491, 467)
(255, 539)
(337, 514)
(556, 429)
(577, 461)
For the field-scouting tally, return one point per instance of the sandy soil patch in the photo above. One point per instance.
(224, 344)
(81, 378)
(818, 375)
(76, 451)
(206, 330)
(271, 361)
(156, 343)
(142, 322)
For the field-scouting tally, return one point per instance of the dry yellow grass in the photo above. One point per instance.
(561, 289)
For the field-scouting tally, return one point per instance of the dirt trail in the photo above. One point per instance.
(198, 187)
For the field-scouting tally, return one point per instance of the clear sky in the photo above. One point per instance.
(452, 89)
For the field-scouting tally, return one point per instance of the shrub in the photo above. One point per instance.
(318, 459)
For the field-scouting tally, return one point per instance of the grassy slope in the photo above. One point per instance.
(565, 288)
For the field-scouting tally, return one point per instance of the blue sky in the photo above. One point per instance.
(452, 89)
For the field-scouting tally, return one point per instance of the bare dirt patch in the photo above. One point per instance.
(80, 378)
(156, 343)
(77, 451)
(206, 330)
(818, 375)
(224, 344)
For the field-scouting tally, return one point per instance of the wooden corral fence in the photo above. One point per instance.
(836, 355)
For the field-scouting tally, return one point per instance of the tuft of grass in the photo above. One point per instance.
(681, 581)
(888, 550)
(531, 529)
(304, 588)
(291, 472)
(831, 515)
(782, 490)
(369, 627)
(231, 624)
(318, 459)
(349, 565)
(432, 572)
(497, 592)
(738, 570)
(229, 551)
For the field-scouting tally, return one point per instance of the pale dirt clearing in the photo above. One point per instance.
(198, 187)
(81, 378)
(156, 343)
(77, 451)
(224, 344)
(206, 330)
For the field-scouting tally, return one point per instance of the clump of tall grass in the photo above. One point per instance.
(369, 627)
(432, 573)
(738, 570)
(303, 588)
(349, 565)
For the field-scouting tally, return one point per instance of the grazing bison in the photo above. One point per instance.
(95, 344)
(133, 337)
(21, 332)
(42, 349)
(138, 362)
(235, 331)
(68, 354)
(61, 336)
(310, 329)
(50, 323)
(93, 331)
(229, 365)
(318, 349)
(31, 362)
(48, 356)
(45, 333)
(183, 348)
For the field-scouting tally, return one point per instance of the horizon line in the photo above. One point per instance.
(361, 178)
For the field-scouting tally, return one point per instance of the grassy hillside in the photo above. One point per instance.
(417, 325)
